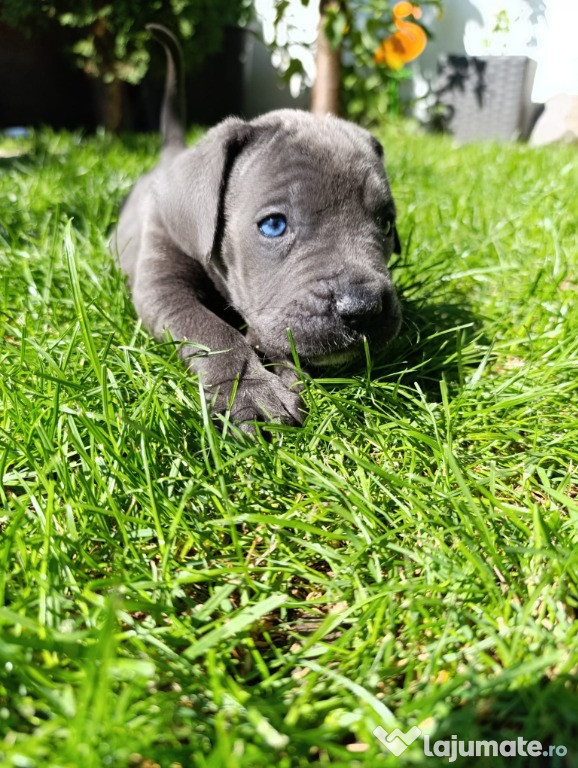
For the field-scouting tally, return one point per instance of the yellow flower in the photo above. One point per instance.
(406, 43)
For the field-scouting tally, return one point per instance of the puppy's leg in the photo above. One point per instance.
(284, 368)
(166, 298)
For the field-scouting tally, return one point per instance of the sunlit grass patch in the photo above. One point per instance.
(407, 558)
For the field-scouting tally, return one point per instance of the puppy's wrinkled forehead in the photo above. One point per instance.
(326, 161)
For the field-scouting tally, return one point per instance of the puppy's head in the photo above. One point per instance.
(304, 226)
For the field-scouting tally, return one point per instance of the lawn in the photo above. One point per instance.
(173, 596)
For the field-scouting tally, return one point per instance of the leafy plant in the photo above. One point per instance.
(357, 31)
(109, 40)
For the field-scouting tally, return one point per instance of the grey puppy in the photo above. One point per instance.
(282, 223)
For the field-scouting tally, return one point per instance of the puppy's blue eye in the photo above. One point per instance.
(273, 226)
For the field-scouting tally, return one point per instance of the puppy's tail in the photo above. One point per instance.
(173, 108)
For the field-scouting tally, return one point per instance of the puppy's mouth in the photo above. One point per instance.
(334, 359)
(332, 344)
(353, 352)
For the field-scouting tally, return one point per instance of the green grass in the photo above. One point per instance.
(170, 596)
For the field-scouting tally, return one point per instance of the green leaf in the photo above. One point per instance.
(335, 27)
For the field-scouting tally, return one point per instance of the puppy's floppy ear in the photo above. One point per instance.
(396, 241)
(377, 146)
(190, 190)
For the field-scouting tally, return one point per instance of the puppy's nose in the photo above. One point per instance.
(358, 305)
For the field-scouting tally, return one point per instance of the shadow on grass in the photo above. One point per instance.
(546, 712)
(436, 340)
(149, 143)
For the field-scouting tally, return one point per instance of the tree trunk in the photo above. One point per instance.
(325, 91)
(110, 89)
(110, 105)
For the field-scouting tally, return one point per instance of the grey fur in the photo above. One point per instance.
(189, 242)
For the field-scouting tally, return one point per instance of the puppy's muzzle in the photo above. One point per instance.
(356, 312)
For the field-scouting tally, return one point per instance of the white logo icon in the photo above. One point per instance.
(397, 741)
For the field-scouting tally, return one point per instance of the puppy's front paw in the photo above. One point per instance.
(260, 396)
